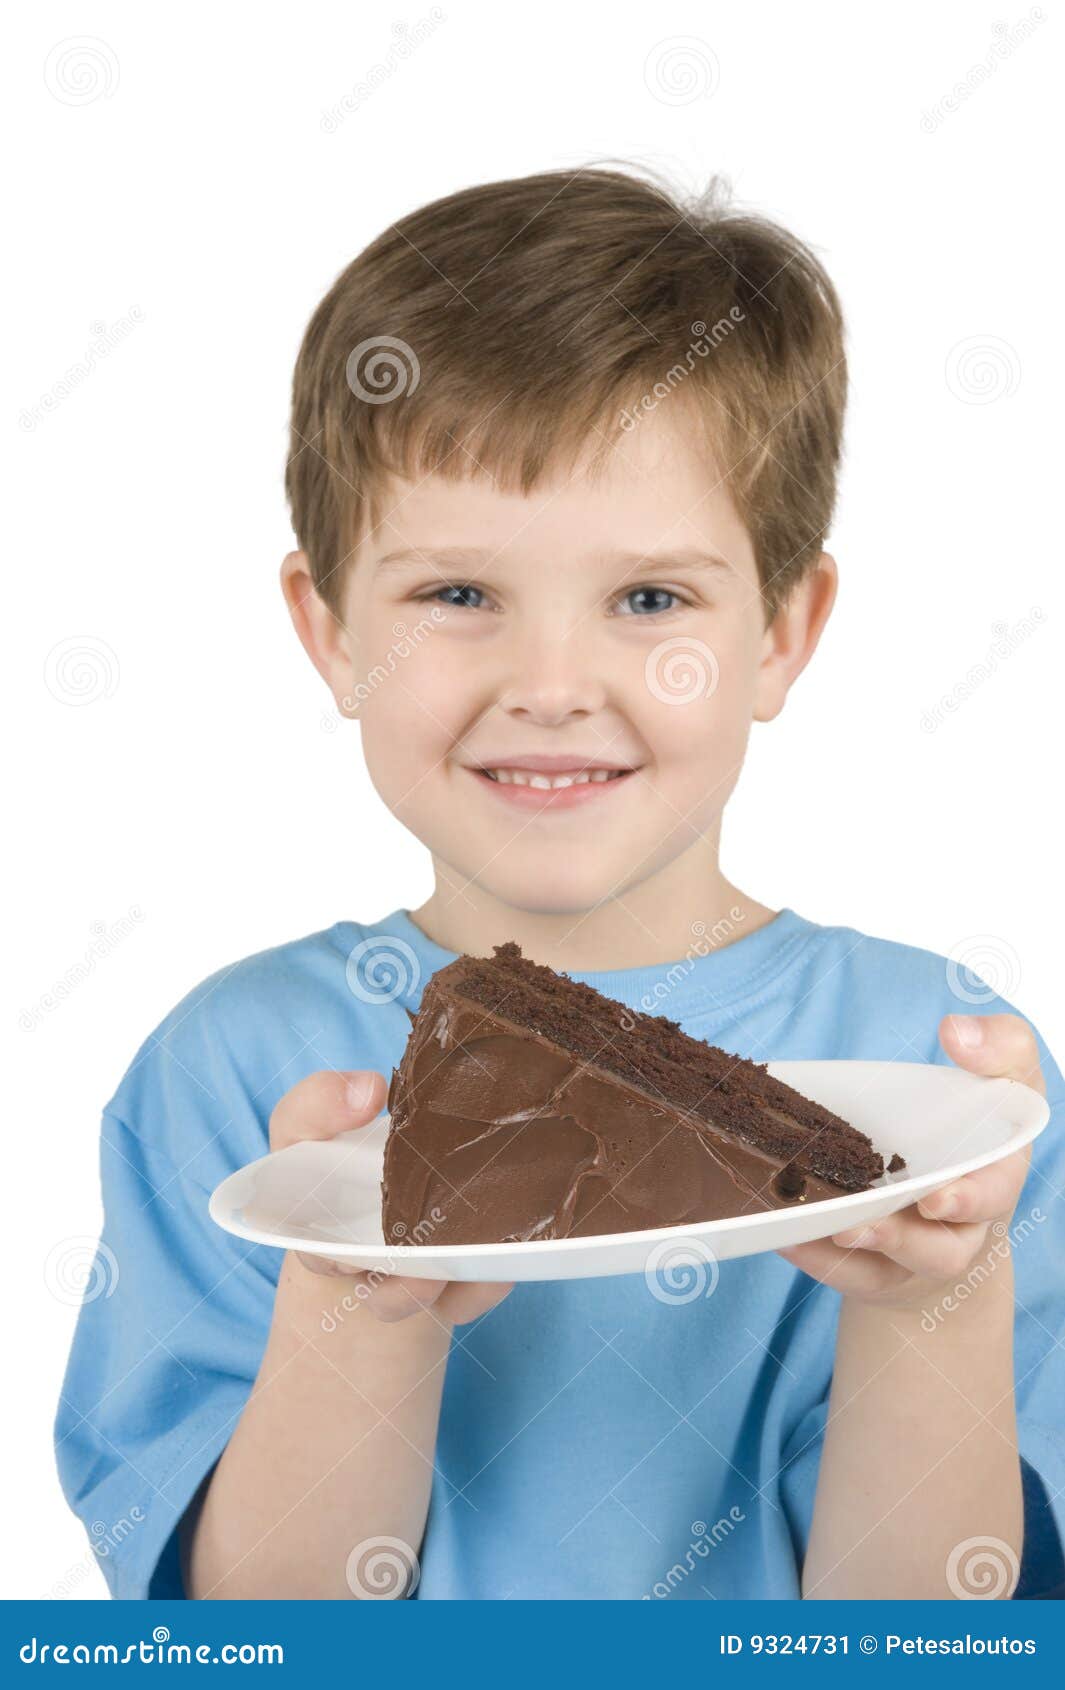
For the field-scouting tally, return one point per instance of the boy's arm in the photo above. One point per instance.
(919, 1488)
(334, 1448)
(323, 1489)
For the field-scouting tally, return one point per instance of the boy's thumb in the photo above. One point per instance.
(360, 1088)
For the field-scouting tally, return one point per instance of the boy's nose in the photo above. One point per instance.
(551, 678)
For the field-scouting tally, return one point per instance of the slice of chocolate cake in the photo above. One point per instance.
(530, 1106)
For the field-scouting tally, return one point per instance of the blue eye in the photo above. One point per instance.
(651, 592)
(463, 602)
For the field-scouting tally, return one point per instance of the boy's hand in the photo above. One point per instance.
(903, 1259)
(328, 1103)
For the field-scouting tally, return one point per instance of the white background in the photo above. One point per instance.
(199, 197)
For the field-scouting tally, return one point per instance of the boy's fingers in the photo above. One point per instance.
(980, 1196)
(462, 1303)
(396, 1298)
(320, 1264)
(326, 1103)
(921, 1247)
(324, 1266)
(391, 1298)
(995, 1045)
(853, 1272)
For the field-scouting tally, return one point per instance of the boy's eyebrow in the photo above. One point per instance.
(458, 557)
(681, 557)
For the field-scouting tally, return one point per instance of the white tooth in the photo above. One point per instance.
(524, 777)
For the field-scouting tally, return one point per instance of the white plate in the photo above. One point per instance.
(324, 1198)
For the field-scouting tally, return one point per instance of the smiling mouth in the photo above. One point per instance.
(551, 783)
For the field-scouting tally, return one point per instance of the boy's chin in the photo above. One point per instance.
(540, 893)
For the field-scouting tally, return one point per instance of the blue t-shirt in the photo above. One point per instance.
(595, 1440)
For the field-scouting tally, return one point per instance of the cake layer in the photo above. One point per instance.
(508, 1124)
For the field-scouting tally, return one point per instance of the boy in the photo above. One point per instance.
(564, 454)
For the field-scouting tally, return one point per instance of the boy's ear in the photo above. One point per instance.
(791, 638)
(323, 638)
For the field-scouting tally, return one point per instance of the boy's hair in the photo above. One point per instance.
(514, 328)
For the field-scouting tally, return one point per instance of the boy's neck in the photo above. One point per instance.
(687, 910)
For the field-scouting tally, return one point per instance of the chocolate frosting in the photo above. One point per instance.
(501, 1135)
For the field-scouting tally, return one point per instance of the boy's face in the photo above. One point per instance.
(582, 622)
